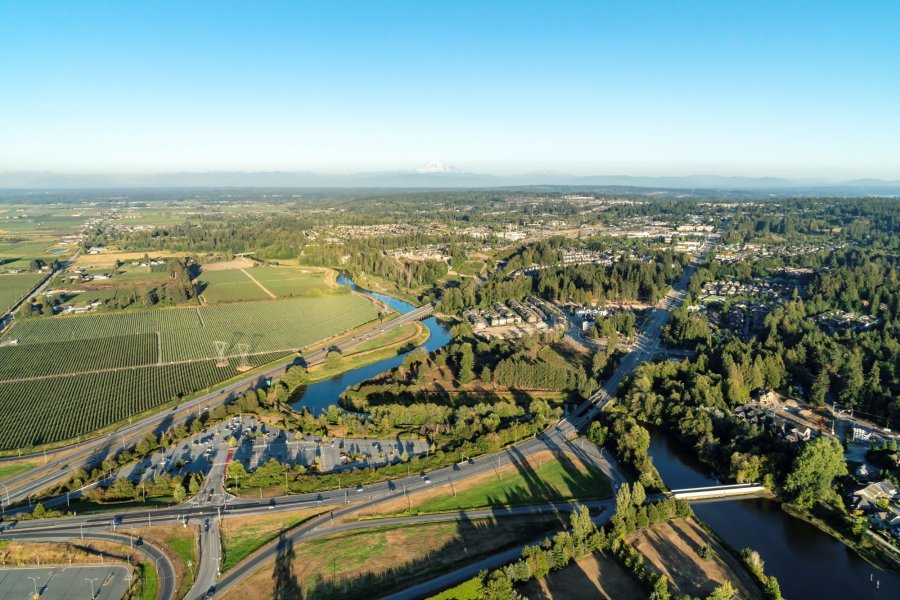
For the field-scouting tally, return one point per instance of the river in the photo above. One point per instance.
(807, 562)
(319, 396)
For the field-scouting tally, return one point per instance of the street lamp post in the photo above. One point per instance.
(91, 580)
(34, 580)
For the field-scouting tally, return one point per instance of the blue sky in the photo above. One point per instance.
(797, 89)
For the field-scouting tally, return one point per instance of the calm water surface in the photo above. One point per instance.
(807, 562)
(319, 396)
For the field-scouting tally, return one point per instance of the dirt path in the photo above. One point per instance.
(261, 286)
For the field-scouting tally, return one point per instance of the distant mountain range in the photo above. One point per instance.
(439, 175)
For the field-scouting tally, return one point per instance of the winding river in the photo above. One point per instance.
(319, 396)
(807, 562)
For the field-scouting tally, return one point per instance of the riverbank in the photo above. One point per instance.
(806, 560)
(397, 342)
(837, 527)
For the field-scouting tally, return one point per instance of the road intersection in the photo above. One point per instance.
(562, 437)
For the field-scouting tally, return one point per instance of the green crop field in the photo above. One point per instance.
(55, 358)
(50, 406)
(229, 286)
(288, 281)
(191, 333)
(58, 408)
(14, 287)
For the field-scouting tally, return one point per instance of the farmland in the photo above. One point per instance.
(120, 363)
(191, 333)
(14, 287)
(257, 283)
(229, 286)
(57, 408)
(286, 282)
(55, 358)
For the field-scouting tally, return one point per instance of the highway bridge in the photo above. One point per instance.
(556, 438)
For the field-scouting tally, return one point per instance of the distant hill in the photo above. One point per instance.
(436, 175)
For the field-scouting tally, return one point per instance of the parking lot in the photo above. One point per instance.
(65, 583)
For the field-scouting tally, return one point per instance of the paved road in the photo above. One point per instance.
(208, 506)
(442, 582)
(94, 451)
(328, 524)
(557, 438)
(210, 556)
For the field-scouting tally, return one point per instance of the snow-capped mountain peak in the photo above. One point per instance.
(438, 167)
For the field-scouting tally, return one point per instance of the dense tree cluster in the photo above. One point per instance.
(626, 280)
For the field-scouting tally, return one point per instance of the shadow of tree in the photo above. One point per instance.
(582, 484)
(286, 585)
(469, 544)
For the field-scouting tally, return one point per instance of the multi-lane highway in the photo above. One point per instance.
(94, 451)
(559, 437)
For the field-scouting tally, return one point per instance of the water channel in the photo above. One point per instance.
(319, 396)
(807, 562)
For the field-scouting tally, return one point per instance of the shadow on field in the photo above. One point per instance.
(286, 585)
(473, 541)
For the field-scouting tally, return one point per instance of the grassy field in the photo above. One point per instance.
(7, 471)
(385, 346)
(371, 562)
(180, 545)
(72, 396)
(14, 287)
(593, 576)
(286, 282)
(149, 581)
(543, 478)
(467, 590)
(229, 286)
(240, 537)
(672, 548)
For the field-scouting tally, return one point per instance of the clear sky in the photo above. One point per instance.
(796, 89)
